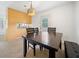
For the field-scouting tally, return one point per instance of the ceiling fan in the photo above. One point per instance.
(30, 11)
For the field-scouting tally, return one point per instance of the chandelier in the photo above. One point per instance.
(31, 11)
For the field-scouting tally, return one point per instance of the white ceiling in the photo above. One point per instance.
(38, 5)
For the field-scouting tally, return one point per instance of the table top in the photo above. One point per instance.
(49, 39)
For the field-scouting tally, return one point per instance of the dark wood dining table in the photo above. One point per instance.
(50, 41)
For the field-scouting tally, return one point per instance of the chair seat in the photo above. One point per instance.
(31, 42)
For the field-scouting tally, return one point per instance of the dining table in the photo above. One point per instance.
(50, 41)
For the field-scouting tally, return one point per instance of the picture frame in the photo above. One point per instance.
(44, 23)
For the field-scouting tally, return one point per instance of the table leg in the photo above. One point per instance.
(28, 44)
(60, 45)
(41, 48)
(25, 47)
(51, 53)
(34, 50)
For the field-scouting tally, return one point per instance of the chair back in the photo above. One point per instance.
(51, 30)
(36, 30)
(30, 32)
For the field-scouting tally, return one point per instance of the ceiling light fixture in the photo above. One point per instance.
(31, 11)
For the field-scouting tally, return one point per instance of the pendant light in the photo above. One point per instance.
(31, 11)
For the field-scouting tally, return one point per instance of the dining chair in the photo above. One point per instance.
(53, 30)
(30, 33)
